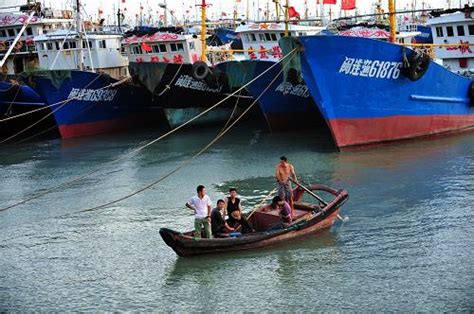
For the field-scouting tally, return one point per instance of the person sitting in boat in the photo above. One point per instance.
(283, 209)
(220, 228)
(201, 205)
(234, 210)
(283, 172)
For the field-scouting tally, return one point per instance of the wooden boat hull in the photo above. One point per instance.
(184, 244)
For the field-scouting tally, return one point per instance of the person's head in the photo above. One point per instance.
(233, 192)
(201, 190)
(277, 201)
(220, 204)
(283, 159)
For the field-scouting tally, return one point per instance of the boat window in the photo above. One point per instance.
(18, 30)
(3, 33)
(137, 50)
(57, 45)
(44, 46)
(180, 47)
(253, 38)
(471, 29)
(261, 37)
(162, 47)
(274, 36)
(267, 37)
(191, 45)
(29, 31)
(173, 47)
(449, 31)
(460, 30)
(66, 45)
(11, 32)
(49, 46)
(155, 48)
(247, 36)
(439, 31)
(72, 45)
(84, 44)
(102, 44)
(282, 35)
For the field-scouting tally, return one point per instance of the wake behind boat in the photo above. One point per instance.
(308, 220)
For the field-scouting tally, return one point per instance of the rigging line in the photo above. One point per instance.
(167, 86)
(138, 149)
(13, 100)
(46, 116)
(186, 162)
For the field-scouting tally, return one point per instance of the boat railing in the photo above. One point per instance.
(430, 48)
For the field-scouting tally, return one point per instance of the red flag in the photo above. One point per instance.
(146, 47)
(223, 14)
(100, 12)
(123, 1)
(329, 1)
(348, 5)
(293, 13)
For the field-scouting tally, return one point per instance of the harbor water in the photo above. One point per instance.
(407, 244)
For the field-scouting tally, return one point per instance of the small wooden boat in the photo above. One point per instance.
(307, 219)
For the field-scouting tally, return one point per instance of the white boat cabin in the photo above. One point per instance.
(260, 41)
(60, 50)
(163, 47)
(24, 55)
(454, 28)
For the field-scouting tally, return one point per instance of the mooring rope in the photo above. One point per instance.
(167, 86)
(189, 160)
(71, 181)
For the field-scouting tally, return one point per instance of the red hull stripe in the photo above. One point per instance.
(98, 127)
(350, 132)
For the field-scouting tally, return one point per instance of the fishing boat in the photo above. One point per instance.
(283, 96)
(308, 219)
(371, 91)
(86, 86)
(168, 64)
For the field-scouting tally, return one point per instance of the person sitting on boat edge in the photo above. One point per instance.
(201, 205)
(234, 210)
(284, 211)
(283, 172)
(219, 226)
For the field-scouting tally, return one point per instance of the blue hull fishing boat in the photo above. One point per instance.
(84, 103)
(366, 96)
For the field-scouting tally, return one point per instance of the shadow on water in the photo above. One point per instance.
(184, 267)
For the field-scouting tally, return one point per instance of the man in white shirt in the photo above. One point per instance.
(201, 205)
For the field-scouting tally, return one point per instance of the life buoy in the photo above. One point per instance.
(416, 66)
(293, 77)
(199, 70)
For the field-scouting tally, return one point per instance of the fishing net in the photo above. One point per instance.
(149, 74)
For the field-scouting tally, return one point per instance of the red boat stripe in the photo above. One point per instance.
(348, 132)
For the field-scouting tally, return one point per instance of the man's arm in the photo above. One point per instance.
(209, 211)
(293, 174)
(188, 205)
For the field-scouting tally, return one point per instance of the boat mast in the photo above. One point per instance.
(79, 34)
(287, 17)
(393, 24)
(277, 10)
(203, 30)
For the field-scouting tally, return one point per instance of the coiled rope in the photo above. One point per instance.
(134, 151)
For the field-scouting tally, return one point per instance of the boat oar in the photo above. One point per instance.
(316, 197)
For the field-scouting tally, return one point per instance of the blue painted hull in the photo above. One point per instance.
(285, 106)
(90, 109)
(361, 92)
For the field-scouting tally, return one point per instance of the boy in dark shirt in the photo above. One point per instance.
(219, 226)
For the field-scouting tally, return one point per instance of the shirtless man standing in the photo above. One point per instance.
(285, 170)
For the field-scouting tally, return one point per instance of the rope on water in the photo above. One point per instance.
(71, 181)
(186, 162)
